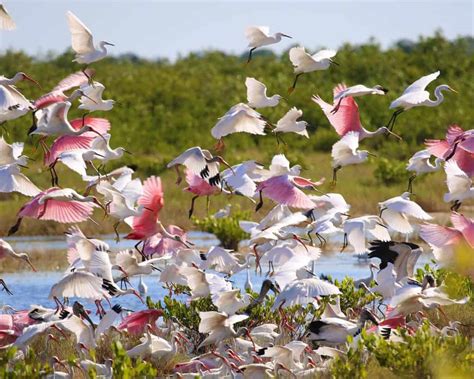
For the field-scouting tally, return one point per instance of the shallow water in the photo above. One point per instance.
(33, 287)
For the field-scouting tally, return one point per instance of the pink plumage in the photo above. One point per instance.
(442, 236)
(465, 225)
(136, 322)
(158, 246)
(56, 210)
(347, 118)
(145, 225)
(49, 99)
(199, 186)
(100, 125)
(458, 146)
(68, 143)
(283, 190)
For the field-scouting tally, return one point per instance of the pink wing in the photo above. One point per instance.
(199, 186)
(454, 131)
(439, 236)
(153, 200)
(68, 143)
(136, 322)
(468, 144)
(346, 119)
(281, 190)
(55, 210)
(48, 99)
(100, 125)
(437, 147)
(465, 225)
(306, 183)
(74, 80)
(465, 161)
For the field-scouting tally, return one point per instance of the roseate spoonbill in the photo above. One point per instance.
(12, 103)
(57, 94)
(345, 152)
(259, 36)
(240, 118)
(395, 212)
(169, 240)
(403, 256)
(459, 185)
(304, 291)
(199, 187)
(356, 91)
(6, 21)
(420, 163)
(415, 95)
(136, 322)
(444, 240)
(200, 162)
(83, 43)
(56, 204)
(458, 145)
(91, 99)
(334, 331)
(289, 124)
(12, 180)
(220, 326)
(53, 121)
(347, 119)
(285, 189)
(304, 62)
(358, 229)
(358, 283)
(257, 95)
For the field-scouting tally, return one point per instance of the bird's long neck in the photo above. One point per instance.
(102, 47)
(439, 97)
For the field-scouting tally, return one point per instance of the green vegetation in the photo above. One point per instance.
(226, 229)
(165, 107)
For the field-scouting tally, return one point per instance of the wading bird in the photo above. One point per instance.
(347, 119)
(12, 103)
(356, 91)
(415, 95)
(259, 36)
(6, 21)
(345, 152)
(289, 124)
(304, 62)
(6, 250)
(257, 95)
(420, 163)
(396, 210)
(459, 185)
(83, 43)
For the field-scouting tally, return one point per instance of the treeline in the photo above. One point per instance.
(164, 107)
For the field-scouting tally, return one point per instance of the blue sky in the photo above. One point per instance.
(168, 29)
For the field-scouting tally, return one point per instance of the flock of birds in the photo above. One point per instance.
(283, 243)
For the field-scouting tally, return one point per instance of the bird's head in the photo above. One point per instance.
(221, 160)
(135, 292)
(448, 88)
(367, 315)
(27, 259)
(283, 35)
(378, 87)
(22, 76)
(124, 150)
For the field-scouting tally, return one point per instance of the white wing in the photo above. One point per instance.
(239, 119)
(289, 118)
(299, 57)
(78, 284)
(6, 21)
(12, 180)
(82, 42)
(421, 84)
(324, 54)
(256, 91)
(457, 180)
(256, 34)
(355, 230)
(74, 160)
(397, 221)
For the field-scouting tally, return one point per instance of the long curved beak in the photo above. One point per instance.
(29, 78)
(31, 265)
